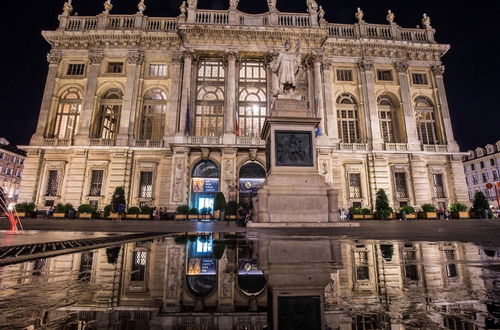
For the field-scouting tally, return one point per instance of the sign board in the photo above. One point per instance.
(248, 186)
(201, 185)
(489, 186)
(248, 267)
(198, 266)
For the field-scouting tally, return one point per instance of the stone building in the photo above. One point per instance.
(482, 172)
(11, 170)
(172, 108)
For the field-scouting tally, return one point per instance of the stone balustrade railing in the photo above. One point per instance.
(224, 17)
(149, 143)
(435, 147)
(250, 140)
(98, 142)
(396, 146)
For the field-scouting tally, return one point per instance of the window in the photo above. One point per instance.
(348, 122)
(115, 67)
(157, 70)
(437, 180)
(472, 167)
(252, 99)
(39, 265)
(481, 164)
(210, 99)
(426, 123)
(419, 78)
(474, 179)
(52, 183)
(451, 269)
(85, 270)
(492, 161)
(8, 171)
(344, 75)
(68, 114)
(18, 173)
(108, 119)
(153, 115)
(485, 177)
(96, 182)
(495, 175)
(146, 184)
(384, 75)
(410, 267)
(75, 69)
(138, 271)
(400, 181)
(355, 185)
(2, 155)
(387, 114)
(361, 265)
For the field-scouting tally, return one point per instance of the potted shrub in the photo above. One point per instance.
(367, 214)
(85, 211)
(232, 210)
(25, 209)
(357, 212)
(146, 212)
(410, 212)
(181, 212)
(106, 212)
(382, 209)
(117, 200)
(219, 205)
(481, 207)
(132, 212)
(458, 211)
(62, 210)
(205, 213)
(193, 214)
(428, 212)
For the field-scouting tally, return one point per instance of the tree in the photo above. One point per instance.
(118, 198)
(382, 208)
(220, 202)
(481, 204)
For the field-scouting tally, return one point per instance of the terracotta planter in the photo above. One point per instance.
(358, 216)
(144, 217)
(205, 216)
(59, 215)
(427, 215)
(180, 217)
(131, 216)
(368, 216)
(193, 217)
(217, 214)
(460, 215)
(85, 215)
(411, 216)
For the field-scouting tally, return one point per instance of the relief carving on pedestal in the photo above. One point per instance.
(293, 149)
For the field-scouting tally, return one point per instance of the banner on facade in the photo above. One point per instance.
(248, 267)
(201, 185)
(198, 266)
(250, 186)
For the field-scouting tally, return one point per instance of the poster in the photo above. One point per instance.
(198, 185)
(250, 186)
(248, 267)
(198, 266)
(201, 185)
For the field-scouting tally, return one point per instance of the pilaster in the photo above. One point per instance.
(185, 93)
(317, 61)
(180, 175)
(31, 176)
(330, 116)
(228, 178)
(406, 104)
(230, 107)
(174, 270)
(420, 181)
(75, 177)
(175, 93)
(226, 280)
(370, 108)
(457, 180)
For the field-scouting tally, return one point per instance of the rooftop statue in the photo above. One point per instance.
(312, 6)
(67, 8)
(390, 16)
(141, 6)
(233, 3)
(192, 3)
(426, 22)
(321, 12)
(286, 67)
(271, 4)
(183, 8)
(359, 15)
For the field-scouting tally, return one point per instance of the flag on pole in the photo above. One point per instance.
(188, 118)
(318, 127)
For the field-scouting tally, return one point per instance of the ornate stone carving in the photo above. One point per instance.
(54, 57)
(390, 16)
(233, 3)
(96, 57)
(366, 65)
(205, 153)
(67, 8)
(252, 153)
(359, 15)
(438, 70)
(192, 4)
(426, 22)
(312, 6)
(107, 6)
(183, 9)
(271, 4)
(173, 276)
(179, 180)
(321, 13)
(135, 57)
(141, 6)
(402, 67)
(286, 67)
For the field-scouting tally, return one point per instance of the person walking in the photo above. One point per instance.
(120, 211)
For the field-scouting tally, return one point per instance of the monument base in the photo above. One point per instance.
(294, 193)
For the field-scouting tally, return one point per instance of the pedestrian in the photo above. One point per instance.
(446, 215)
(485, 214)
(156, 214)
(120, 211)
(47, 213)
(161, 214)
(402, 214)
(71, 213)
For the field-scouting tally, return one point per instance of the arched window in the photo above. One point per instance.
(205, 184)
(426, 122)
(348, 118)
(252, 177)
(387, 117)
(68, 113)
(252, 101)
(153, 115)
(108, 118)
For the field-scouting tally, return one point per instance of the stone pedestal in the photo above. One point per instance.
(294, 192)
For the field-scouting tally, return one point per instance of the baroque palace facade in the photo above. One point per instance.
(172, 108)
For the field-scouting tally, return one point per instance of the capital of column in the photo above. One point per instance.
(188, 53)
(96, 57)
(402, 67)
(177, 59)
(315, 58)
(366, 65)
(54, 57)
(231, 55)
(135, 57)
(438, 70)
(327, 65)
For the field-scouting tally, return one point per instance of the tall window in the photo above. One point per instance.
(52, 183)
(96, 183)
(400, 181)
(252, 101)
(387, 116)
(138, 271)
(437, 180)
(451, 267)
(209, 110)
(361, 265)
(355, 185)
(146, 184)
(410, 266)
(426, 122)
(157, 70)
(108, 119)
(68, 112)
(348, 121)
(85, 270)
(153, 115)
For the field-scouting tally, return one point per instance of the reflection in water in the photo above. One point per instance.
(221, 281)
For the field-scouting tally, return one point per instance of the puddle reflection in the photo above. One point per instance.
(226, 281)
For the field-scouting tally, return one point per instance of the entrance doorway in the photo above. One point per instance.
(204, 185)
(252, 177)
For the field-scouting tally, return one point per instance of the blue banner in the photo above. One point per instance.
(250, 186)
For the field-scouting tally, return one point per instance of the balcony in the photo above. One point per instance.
(434, 147)
(149, 143)
(354, 146)
(250, 140)
(98, 142)
(205, 140)
(396, 146)
(53, 142)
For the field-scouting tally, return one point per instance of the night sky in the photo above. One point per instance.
(472, 66)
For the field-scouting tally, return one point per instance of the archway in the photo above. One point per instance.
(204, 184)
(251, 279)
(252, 176)
(201, 274)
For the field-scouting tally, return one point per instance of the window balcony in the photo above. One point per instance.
(435, 147)
(354, 146)
(396, 146)
(98, 142)
(204, 140)
(250, 140)
(149, 143)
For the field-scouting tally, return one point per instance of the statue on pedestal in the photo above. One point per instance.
(359, 15)
(390, 16)
(67, 8)
(271, 4)
(312, 6)
(426, 21)
(286, 67)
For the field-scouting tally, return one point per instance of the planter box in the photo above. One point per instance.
(217, 214)
(206, 216)
(180, 217)
(427, 215)
(59, 215)
(411, 216)
(85, 215)
(358, 216)
(131, 216)
(144, 217)
(193, 217)
(368, 216)
(460, 215)
(21, 214)
(231, 217)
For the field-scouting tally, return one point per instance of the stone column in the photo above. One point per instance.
(89, 103)
(457, 180)
(406, 105)
(318, 91)
(438, 71)
(54, 58)
(370, 108)
(125, 132)
(186, 90)
(175, 92)
(330, 115)
(230, 94)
